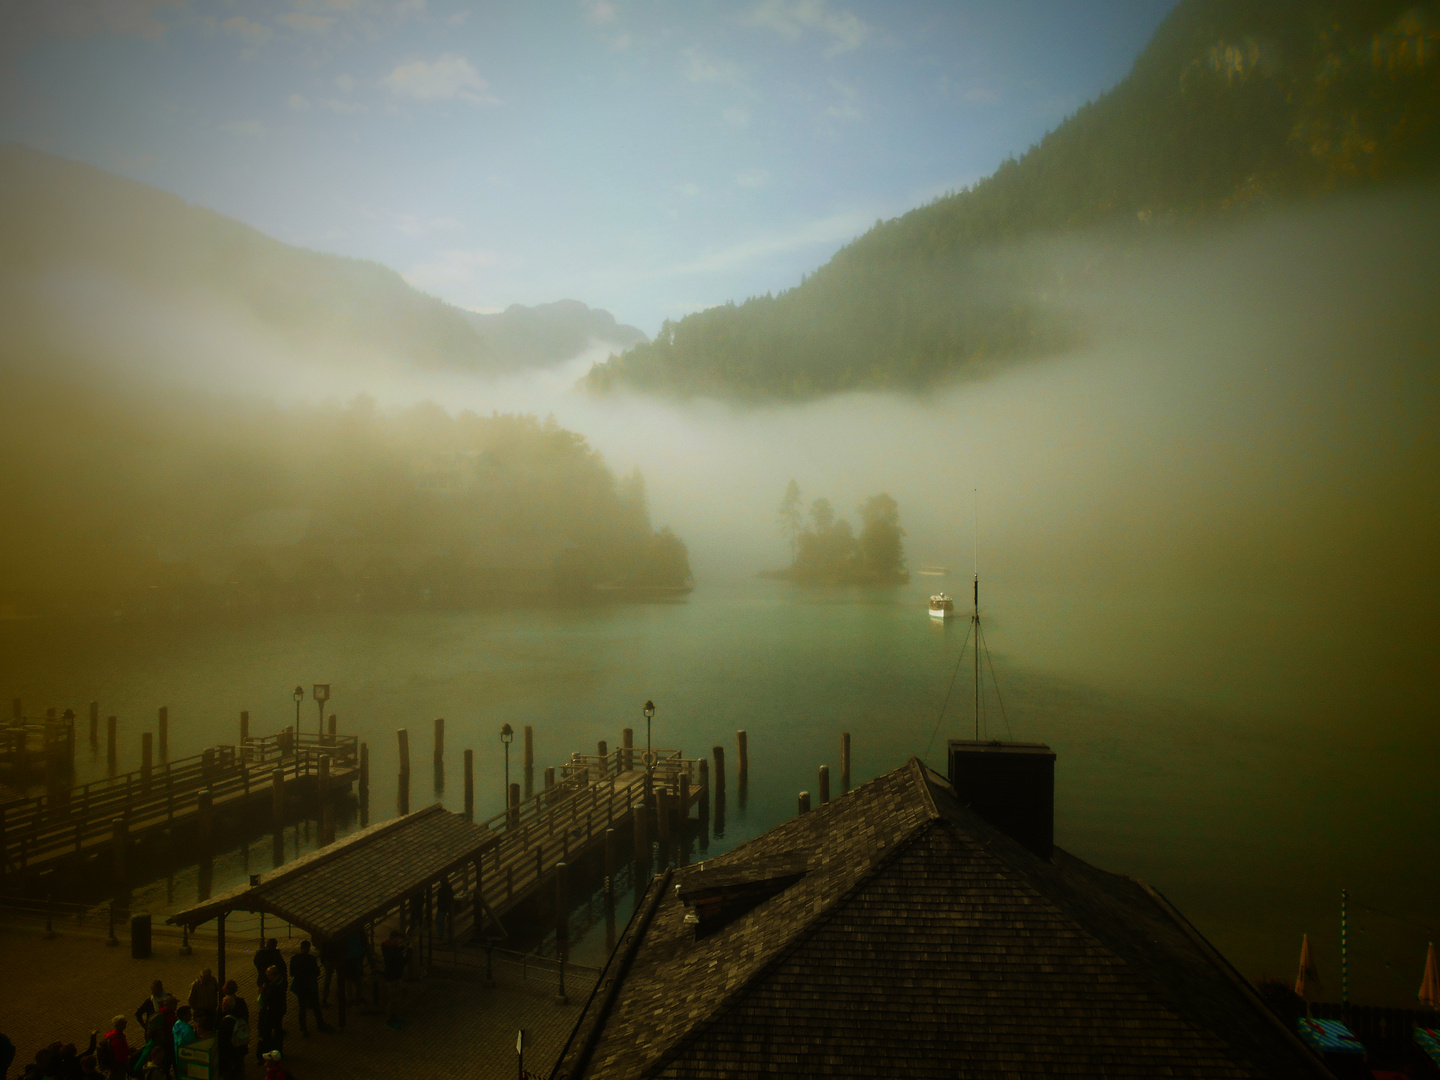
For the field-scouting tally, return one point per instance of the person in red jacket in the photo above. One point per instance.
(119, 1048)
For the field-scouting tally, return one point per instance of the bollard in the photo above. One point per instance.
(529, 761)
(94, 723)
(402, 795)
(719, 752)
(439, 740)
(609, 862)
(742, 747)
(146, 760)
(627, 749)
(704, 789)
(110, 723)
(277, 799)
(164, 731)
(824, 784)
(469, 785)
(327, 819)
(844, 763)
(804, 802)
(512, 820)
(404, 739)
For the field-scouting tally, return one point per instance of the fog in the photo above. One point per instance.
(1229, 489)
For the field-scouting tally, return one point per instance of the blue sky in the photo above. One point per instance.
(649, 157)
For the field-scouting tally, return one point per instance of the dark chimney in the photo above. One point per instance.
(1010, 785)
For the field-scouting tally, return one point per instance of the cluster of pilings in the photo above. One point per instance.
(822, 779)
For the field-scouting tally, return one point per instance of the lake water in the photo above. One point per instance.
(1251, 821)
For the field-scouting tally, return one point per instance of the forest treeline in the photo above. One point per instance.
(121, 500)
(824, 549)
(1233, 105)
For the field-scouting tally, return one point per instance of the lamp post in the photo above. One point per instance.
(507, 736)
(649, 711)
(322, 695)
(299, 695)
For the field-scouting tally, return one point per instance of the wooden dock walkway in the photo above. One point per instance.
(183, 801)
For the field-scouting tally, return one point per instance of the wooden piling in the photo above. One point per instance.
(844, 763)
(513, 820)
(627, 749)
(562, 912)
(332, 726)
(327, 818)
(244, 728)
(120, 844)
(146, 762)
(824, 784)
(603, 752)
(110, 723)
(164, 733)
(440, 741)
(277, 799)
(404, 739)
(662, 818)
(364, 787)
(549, 783)
(470, 785)
(804, 802)
(94, 723)
(205, 814)
(402, 795)
(684, 798)
(609, 861)
(742, 747)
(529, 761)
(719, 753)
(704, 789)
(641, 818)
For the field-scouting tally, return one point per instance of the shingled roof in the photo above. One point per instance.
(338, 887)
(920, 941)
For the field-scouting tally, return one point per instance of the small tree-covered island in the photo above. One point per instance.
(825, 550)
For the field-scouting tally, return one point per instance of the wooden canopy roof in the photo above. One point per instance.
(918, 941)
(345, 884)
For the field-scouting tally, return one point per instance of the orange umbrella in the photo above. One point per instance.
(1308, 973)
(1430, 984)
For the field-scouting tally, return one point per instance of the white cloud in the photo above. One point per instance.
(450, 76)
(699, 68)
(838, 228)
(753, 178)
(793, 19)
(452, 272)
(299, 20)
(598, 12)
(344, 83)
(298, 102)
(736, 117)
(252, 33)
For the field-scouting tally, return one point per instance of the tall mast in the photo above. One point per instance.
(975, 618)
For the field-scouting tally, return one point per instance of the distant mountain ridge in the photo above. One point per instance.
(58, 216)
(1233, 104)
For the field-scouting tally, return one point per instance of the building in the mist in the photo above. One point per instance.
(896, 932)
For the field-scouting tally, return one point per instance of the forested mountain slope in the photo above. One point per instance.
(1234, 105)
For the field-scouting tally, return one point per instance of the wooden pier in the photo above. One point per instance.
(184, 802)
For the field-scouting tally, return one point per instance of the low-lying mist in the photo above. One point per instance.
(1230, 493)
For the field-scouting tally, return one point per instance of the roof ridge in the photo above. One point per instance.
(802, 935)
(1217, 959)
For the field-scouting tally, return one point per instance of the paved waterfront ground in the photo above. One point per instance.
(455, 1026)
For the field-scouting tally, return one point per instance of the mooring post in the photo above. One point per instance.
(164, 731)
(403, 736)
(804, 802)
(824, 784)
(640, 816)
(277, 798)
(205, 804)
(742, 747)
(244, 729)
(469, 785)
(529, 761)
(119, 842)
(609, 862)
(332, 726)
(627, 749)
(110, 723)
(440, 741)
(94, 723)
(402, 795)
(513, 819)
(719, 754)
(844, 763)
(662, 817)
(327, 819)
(549, 784)
(146, 762)
(603, 750)
(704, 789)
(684, 799)
(562, 923)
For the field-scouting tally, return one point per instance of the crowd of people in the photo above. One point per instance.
(150, 1050)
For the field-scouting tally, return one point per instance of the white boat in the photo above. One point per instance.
(941, 606)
